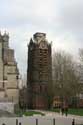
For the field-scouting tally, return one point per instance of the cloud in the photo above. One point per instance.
(62, 20)
(71, 15)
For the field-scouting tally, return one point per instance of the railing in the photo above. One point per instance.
(37, 121)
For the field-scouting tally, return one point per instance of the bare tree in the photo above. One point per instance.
(50, 94)
(65, 78)
(81, 54)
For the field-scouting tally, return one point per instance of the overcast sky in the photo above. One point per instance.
(62, 20)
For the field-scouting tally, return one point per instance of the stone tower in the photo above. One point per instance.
(8, 72)
(39, 71)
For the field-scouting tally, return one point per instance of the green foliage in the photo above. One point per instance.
(76, 111)
(72, 111)
(28, 113)
(31, 113)
(55, 110)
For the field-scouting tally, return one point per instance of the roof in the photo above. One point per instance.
(39, 34)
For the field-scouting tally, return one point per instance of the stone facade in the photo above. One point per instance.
(39, 71)
(8, 72)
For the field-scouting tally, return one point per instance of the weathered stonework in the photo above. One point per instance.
(39, 72)
(8, 72)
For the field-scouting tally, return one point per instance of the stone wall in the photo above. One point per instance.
(13, 95)
(1, 66)
(8, 71)
(7, 106)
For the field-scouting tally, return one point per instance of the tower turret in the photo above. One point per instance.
(6, 40)
(39, 71)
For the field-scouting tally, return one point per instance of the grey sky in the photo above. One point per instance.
(62, 20)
